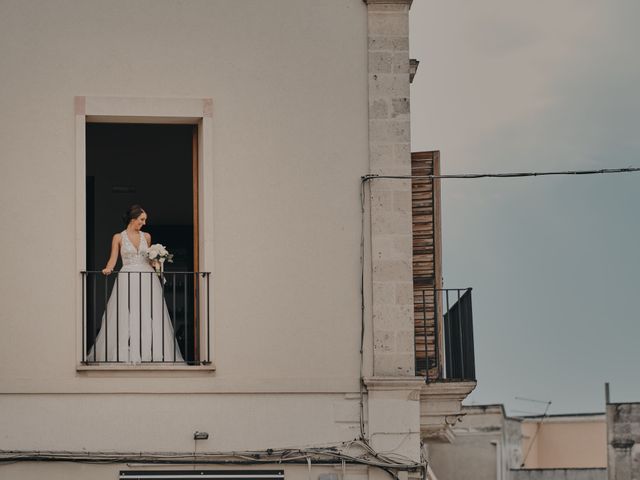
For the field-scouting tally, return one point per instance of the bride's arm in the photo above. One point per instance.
(115, 248)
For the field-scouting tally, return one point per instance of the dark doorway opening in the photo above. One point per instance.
(153, 165)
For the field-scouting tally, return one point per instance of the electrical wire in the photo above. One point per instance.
(362, 305)
(364, 441)
(319, 456)
(504, 175)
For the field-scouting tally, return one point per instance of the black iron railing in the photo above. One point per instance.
(444, 334)
(146, 317)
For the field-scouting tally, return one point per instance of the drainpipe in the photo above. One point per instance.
(498, 446)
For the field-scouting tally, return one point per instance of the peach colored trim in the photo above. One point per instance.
(207, 107)
(80, 105)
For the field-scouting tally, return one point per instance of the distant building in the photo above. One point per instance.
(486, 446)
(623, 440)
(564, 441)
(489, 445)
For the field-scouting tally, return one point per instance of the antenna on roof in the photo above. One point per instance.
(544, 415)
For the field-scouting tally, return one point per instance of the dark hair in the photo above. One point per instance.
(133, 212)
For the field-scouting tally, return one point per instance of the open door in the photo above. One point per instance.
(156, 166)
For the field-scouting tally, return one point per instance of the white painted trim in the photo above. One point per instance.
(190, 111)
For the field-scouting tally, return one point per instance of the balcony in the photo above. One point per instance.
(443, 329)
(444, 357)
(449, 356)
(145, 319)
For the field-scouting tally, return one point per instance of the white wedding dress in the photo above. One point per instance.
(136, 326)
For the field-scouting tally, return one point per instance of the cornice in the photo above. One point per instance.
(448, 389)
(441, 408)
(394, 383)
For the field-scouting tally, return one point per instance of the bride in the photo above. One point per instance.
(136, 313)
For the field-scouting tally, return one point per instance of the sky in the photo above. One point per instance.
(514, 85)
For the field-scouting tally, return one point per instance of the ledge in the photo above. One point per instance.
(441, 408)
(394, 383)
(124, 367)
(388, 2)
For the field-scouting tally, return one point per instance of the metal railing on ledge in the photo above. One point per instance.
(144, 317)
(444, 346)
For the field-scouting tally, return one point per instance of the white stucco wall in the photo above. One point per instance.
(288, 79)
(288, 83)
(62, 471)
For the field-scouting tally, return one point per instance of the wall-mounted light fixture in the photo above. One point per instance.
(200, 435)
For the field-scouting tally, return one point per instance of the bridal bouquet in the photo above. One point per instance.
(158, 254)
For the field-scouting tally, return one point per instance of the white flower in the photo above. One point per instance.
(159, 252)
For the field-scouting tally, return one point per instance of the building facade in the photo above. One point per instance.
(249, 131)
(623, 440)
(491, 445)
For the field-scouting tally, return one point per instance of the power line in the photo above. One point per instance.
(533, 400)
(504, 175)
(329, 455)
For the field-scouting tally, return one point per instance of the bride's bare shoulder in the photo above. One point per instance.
(117, 237)
(147, 237)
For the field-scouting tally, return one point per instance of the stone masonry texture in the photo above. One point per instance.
(623, 433)
(390, 154)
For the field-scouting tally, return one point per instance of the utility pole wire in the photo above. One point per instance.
(524, 399)
(504, 175)
(542, 419)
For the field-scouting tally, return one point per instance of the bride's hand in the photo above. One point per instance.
(107, 271)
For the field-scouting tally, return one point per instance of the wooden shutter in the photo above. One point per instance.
(427, 264)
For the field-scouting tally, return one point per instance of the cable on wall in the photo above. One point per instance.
(368, 177)
(327, 455)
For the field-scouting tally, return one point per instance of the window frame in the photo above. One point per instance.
(190, 111)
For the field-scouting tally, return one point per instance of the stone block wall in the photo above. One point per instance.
(390, 154)
(623, 441)
(393, 391)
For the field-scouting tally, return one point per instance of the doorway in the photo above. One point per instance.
(155, 166)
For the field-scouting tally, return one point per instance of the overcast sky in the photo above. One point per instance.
(514, 85)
